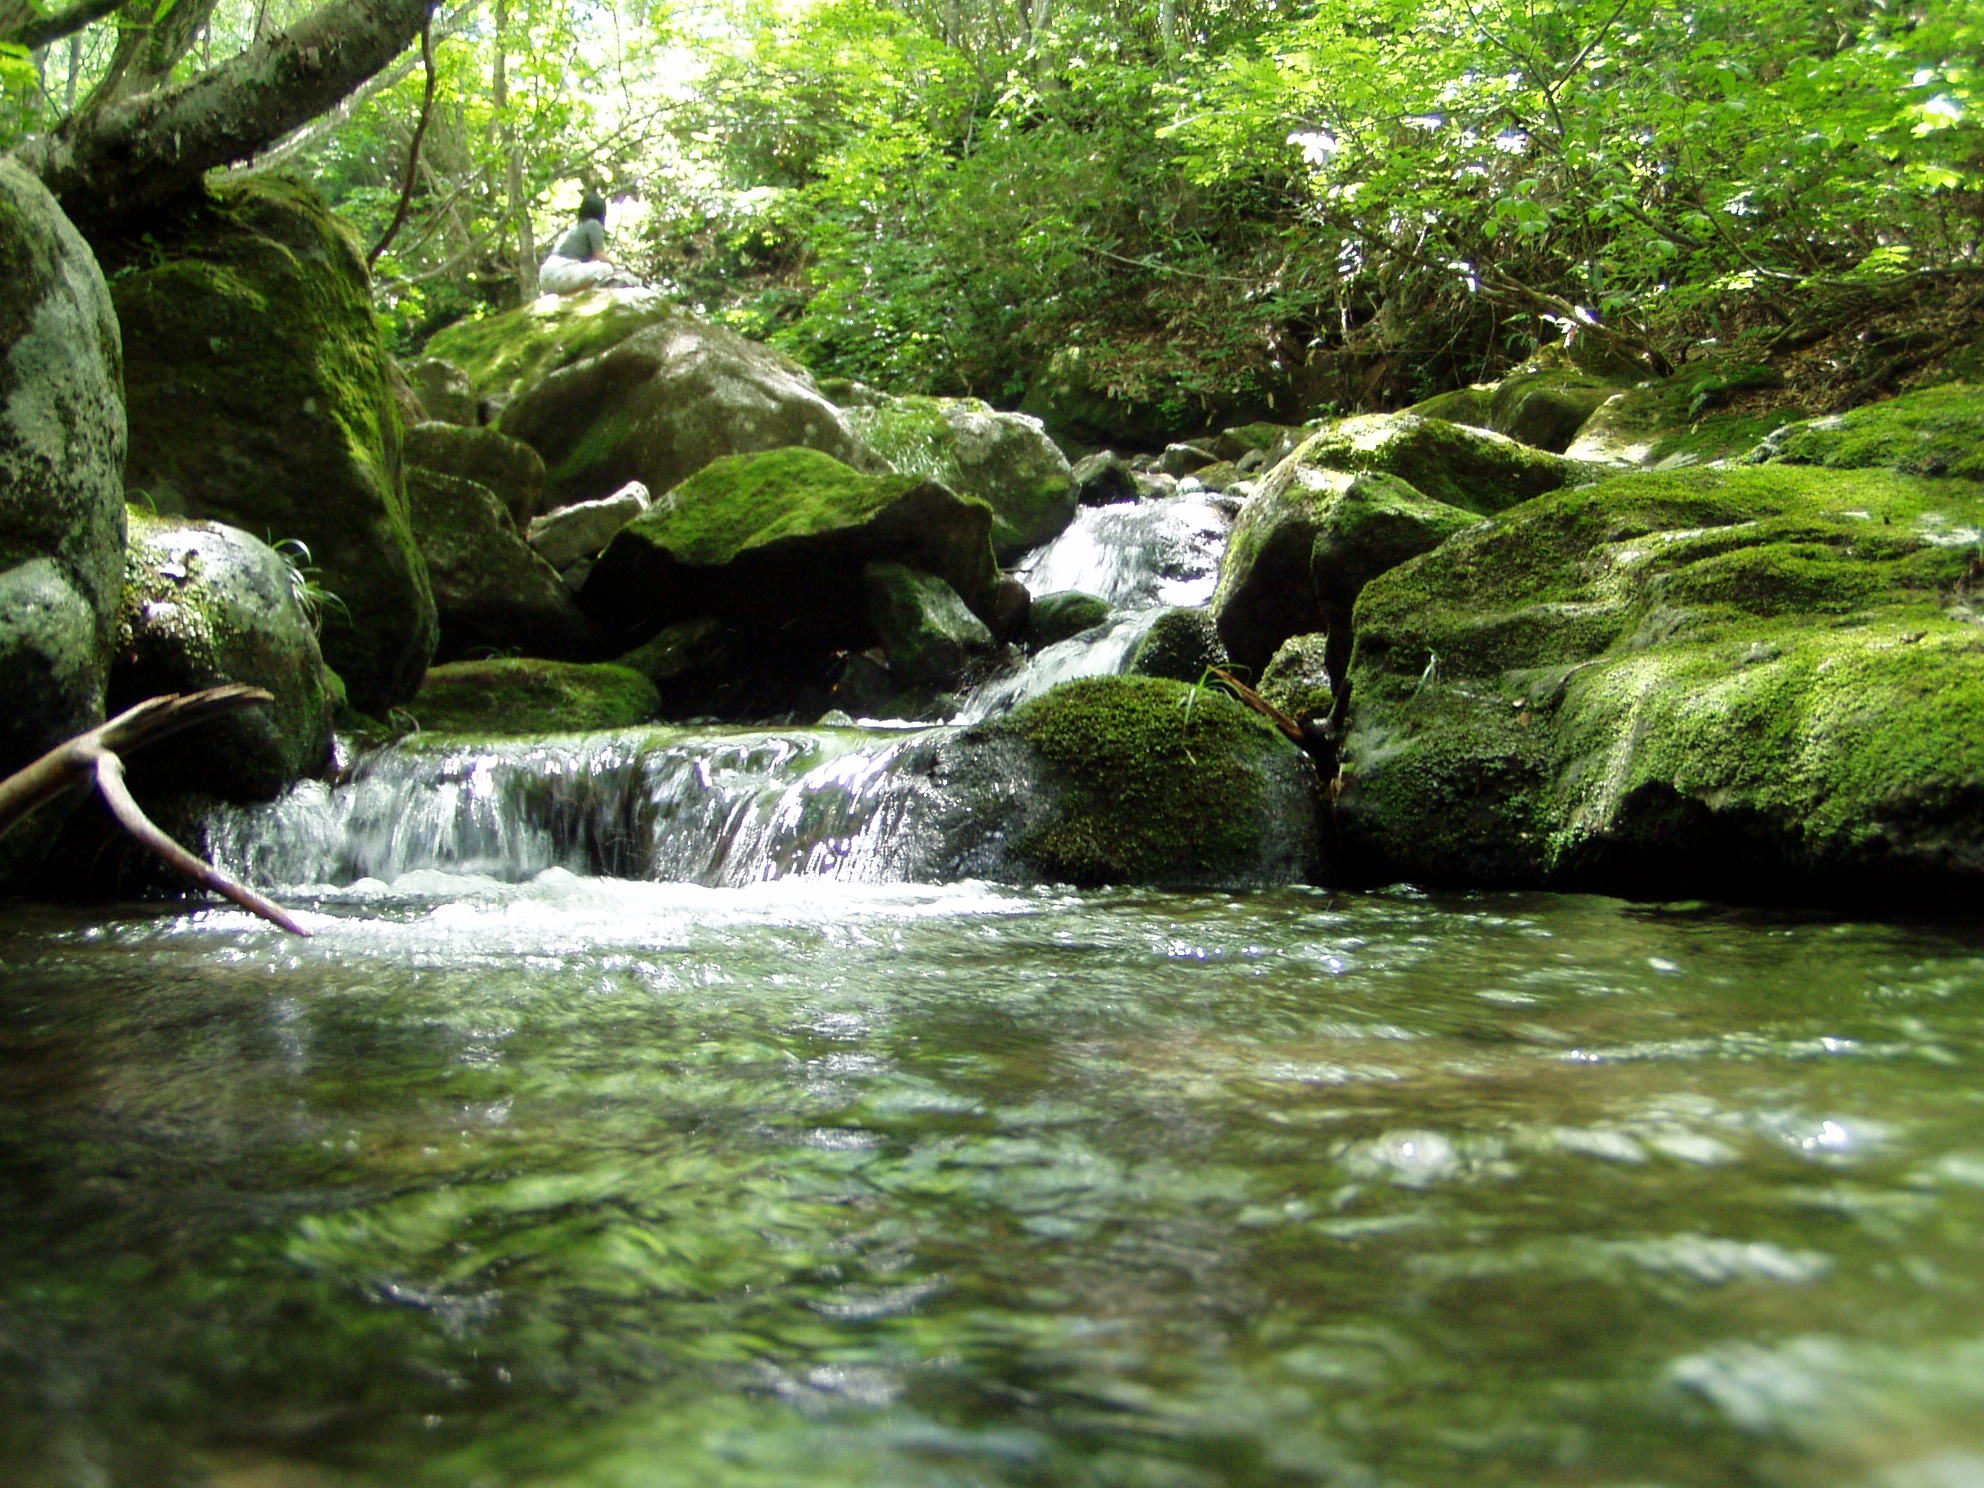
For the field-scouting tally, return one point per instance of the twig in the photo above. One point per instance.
(94, 757)
(412, 149)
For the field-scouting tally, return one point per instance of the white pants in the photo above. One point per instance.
(561, 275)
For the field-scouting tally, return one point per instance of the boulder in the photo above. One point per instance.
(1298, 678)
(525, 695)
(682, 650)
(444, 392)
(507, 467)
(1672, 422)
(1545, 407)
(574, 534)
(1004, 459)
(1181, 643)
(1103, 479)
(1935, 431)
(926, 631)
(1248, 445)
(1143, 780)
(205, 604)
(492, 592)
(505, 353)
(1303, 548)
(1759, 682)
(1474, 469)
(1183, 459)
(258, 390)
(664, 402)
(776, 544)
(1065, 613)
(61, 486)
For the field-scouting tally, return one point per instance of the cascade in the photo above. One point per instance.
(722, 807)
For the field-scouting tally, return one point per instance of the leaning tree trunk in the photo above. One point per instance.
(110, 166)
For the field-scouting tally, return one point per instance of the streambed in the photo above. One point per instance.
(583, 1181)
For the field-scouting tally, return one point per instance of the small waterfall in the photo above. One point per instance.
(730, 807)
(1143, 558)
(719, 808)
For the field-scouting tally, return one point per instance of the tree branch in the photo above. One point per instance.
(412, 150)
(105, 168)
(94, 757)
(37, 31)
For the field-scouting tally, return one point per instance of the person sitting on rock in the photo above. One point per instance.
(579, 262)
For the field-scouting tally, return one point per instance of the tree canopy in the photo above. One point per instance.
(1359, 201)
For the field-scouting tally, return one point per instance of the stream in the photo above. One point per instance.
(647, 1112)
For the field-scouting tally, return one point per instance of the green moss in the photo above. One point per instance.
(1937, 431)
(507, 352)
(1674, 420)
(516, 696)
(745, 501)
(1782, 657)
(1162, 780)
(1460, 466)
(1181, 644)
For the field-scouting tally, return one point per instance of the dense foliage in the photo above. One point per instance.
(1214, 202)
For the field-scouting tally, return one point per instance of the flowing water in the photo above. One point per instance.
(588, 1181)
(668, 1110)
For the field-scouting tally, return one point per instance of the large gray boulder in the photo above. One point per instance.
(1004, 459)
(661, 404)
(259, 396)
(61, 482)
(206, 604)
(776, 544)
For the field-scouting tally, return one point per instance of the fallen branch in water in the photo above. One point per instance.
(93, 758)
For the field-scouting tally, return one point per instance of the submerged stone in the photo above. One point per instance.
(1758, 682)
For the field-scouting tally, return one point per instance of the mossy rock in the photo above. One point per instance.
(508, 467)
(925, 629)
(1161, 783)
(1759, 682)
(1681, 420)
(1935, 431)
(1064, 614)
(1468, 405)
(1004, 459)
(258, 393)
(61, 491)
(1298, 678)
(205, 604)
(1546, 408)
(492, 592)
(776, 543)
(505, 352)
(1305, 546)
(514, 696)
(685, 649)
(1181, 643)
(1474, 469)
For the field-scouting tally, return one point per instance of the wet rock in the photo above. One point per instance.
(926, 632)
(1181, 644)
(1066, 613)
(519, 696)
(1103, 479)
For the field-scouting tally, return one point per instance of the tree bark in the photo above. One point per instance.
(110, 166)
(22, 25)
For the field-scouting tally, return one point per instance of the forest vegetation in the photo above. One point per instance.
(1216, 204)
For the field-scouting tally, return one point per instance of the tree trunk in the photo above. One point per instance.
(513, 164)
(148, 46)
(109, 167)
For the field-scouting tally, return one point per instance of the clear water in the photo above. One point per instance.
(590, 1182)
